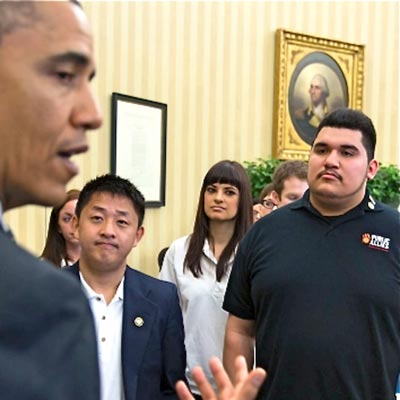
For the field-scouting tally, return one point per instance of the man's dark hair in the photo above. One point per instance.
(354, 120)
(286, 170)
(115, 186)
(15, 15)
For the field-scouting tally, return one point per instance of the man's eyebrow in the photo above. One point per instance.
(98, 208)
(349, 147)
(70, 57)
(342, 146)
(105, 210)
(320, 144)
(123, 213)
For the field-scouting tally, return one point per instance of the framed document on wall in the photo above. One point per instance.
(138, 144)
(314, 76)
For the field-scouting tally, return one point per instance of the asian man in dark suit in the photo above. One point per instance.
(138, 318)
(47, 336)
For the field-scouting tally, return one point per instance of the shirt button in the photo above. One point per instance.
(98, 298)
(103, 339)
(103, 317)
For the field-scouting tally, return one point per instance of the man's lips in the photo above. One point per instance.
(106, 244)
(71, 151)
(68, 152)
(329, 174)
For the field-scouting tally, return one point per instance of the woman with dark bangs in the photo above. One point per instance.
(200, 264)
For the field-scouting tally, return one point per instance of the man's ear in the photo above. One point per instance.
(138, 236)
(75, 226)
(275, 197)
(373, 168)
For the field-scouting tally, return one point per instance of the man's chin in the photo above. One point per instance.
(54, 196)
(326, 193)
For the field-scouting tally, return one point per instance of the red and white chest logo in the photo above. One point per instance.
(376, 241)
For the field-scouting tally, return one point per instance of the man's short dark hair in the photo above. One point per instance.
(286, 170)
(115, 186)
(355, 120)
(15, 15)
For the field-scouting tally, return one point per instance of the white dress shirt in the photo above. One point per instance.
(108, 322)
(201, 302)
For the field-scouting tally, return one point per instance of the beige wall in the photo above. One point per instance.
(213, 63)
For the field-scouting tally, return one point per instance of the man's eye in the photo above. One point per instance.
(65, 76)
(319, 151)
(347, 153)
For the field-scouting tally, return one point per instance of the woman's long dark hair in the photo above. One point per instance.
(226, 172)
(55, 249)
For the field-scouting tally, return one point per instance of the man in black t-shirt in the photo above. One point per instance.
(316, 284)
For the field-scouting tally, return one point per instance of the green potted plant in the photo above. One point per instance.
(260, 173)
(385, 186)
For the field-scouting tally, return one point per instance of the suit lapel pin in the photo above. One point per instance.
(138, 321)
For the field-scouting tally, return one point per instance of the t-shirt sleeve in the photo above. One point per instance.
(238, 299)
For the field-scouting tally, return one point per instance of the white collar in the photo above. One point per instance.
(3, 225)
(90, 293)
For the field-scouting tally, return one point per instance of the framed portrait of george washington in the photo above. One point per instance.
(313, 76)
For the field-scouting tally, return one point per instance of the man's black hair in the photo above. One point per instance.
(355, 120)
(115, 186)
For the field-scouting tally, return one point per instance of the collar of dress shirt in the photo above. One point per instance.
(3, 225)
(90, 293)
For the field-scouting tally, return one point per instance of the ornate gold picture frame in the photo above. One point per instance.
(313, 76)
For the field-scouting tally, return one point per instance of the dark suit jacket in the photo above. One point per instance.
(153, 355)
(47, 339)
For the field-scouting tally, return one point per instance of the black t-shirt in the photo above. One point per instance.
(325, 297)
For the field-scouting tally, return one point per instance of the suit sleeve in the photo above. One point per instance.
(174, 352)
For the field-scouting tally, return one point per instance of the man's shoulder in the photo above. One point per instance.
(386, 216)
(27, 282)
(16, 262)
(284, 214)
(161, 294)
(281, 223)
(148, 281)
(388, 211)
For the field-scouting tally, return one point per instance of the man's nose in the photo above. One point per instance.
(108, 229)
(86, 112)
(332, 159)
